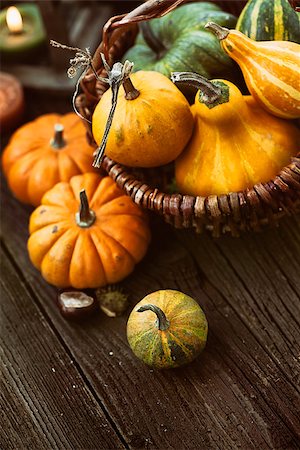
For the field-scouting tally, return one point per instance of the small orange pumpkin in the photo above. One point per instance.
(87, 246)
(43, 152)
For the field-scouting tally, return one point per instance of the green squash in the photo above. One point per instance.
(167, 329)
(178, 42)
(266, 20)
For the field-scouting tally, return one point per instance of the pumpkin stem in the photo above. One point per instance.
(85, 217)
(219, 31)
(58, 140)
(210, 92)
(162, 322)
(130, 91)
(152, 41)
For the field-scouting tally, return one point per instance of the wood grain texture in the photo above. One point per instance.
(45, 404)
(239, 394)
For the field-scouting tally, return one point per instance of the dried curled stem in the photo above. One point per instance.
(82, 60)
(116, 76)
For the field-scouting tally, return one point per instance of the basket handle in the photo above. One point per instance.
(115, 26)
(149, 10)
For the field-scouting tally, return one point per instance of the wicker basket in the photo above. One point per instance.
(250, 209)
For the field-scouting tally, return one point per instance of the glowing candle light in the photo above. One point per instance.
(22, 32)
(14, 20)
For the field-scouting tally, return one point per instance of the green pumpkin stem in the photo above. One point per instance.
(58, 139)
(85, 217)
(151, 40)
(162, 322)
(219, 31)
(210, 92)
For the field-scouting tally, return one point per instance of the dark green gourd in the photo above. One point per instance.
(179, 42)
(270, 20)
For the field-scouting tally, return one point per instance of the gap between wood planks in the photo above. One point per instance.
(68, 351)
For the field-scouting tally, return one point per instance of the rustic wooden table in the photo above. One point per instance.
(78, 386)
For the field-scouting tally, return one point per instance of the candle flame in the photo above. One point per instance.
(14, 20)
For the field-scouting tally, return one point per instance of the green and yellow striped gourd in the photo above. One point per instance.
(167, 329)
(270, 20)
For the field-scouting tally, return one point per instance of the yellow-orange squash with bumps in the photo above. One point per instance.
(235, 145)
(41, 153)
(271, 70)
(86, 244)
(152, 122)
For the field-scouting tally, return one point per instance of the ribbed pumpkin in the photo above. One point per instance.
(265, 20)
(152, 121)
(271, 70)
(76, 244)
(235, 145)
(41, 153)
(167, 329)
(179, 42)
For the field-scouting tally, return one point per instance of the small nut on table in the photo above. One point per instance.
(76, 304)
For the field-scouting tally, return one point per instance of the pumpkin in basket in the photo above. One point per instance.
(152, 122)
(167, 329)
(84, 244)
(263, 20)
(235, 145)
(179, 42)
(43, 152)
(271, 70)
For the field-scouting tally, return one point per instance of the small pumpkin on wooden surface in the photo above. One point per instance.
(265, 20)
(41, 153)
(270, 68)
(151, 123)
(235, 145)
(178, 41)
(87, 244)
(167, 329)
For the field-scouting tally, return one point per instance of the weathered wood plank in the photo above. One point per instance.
(235, 395)
(254, 281)
(45, 403)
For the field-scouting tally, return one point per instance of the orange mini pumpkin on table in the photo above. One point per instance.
(87, 233)
(43, 152)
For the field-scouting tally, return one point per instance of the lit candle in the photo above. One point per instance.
(11, 102)
(21, 31)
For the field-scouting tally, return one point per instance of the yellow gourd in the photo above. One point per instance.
(235, 144)
(271, 70)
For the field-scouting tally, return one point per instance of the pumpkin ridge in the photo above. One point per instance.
(74, 239)
(165, 344)
(117, 242)
(99, 192)
(77, 243)
(126, 228)
(104, 271)
(185, 349)
(157, 337)
(51, 244)
(141, 335)
(74, 160)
